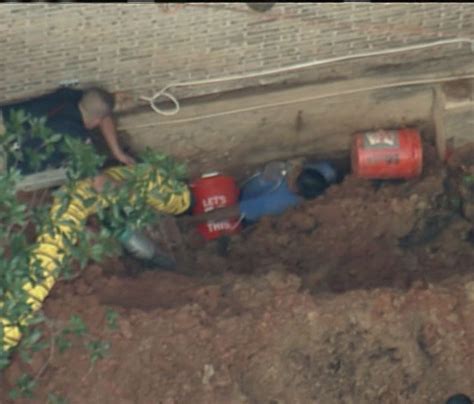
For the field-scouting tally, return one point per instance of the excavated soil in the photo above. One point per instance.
(365, 295)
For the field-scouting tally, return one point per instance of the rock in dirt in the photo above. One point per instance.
(208, 373)
(125, 328)
(470, 291)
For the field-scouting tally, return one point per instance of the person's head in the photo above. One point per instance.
(95, 105)
(310, 183)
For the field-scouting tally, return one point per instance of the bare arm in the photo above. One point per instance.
(107, 127)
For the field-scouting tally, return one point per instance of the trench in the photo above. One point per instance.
(324, 299)
(360, 235)
(372, 281)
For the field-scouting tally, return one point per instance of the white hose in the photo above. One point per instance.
(164, 91)
(305, 99)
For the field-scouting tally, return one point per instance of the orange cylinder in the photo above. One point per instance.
(387, 154)
(213, 191)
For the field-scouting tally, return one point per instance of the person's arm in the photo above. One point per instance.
(107, 127)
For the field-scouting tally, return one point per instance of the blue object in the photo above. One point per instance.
(459, 399)
(260, 197)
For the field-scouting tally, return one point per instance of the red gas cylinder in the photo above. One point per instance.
(387, 154)
(213, 191)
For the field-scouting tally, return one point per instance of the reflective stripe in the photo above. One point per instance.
(50, 252)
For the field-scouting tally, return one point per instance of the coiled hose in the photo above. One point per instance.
(51, 248)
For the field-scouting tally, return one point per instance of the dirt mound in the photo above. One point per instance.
(360, 235)
(259, 339)
(365, 295)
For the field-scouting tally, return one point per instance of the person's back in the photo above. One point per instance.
(281, 186)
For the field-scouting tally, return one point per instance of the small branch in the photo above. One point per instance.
(51, 326)
(49, 360)
(91, 368)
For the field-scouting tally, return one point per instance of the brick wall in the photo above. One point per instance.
(142, 47)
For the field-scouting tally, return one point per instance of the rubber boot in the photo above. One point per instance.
(143, 249)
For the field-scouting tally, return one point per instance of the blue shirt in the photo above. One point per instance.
(260, 197)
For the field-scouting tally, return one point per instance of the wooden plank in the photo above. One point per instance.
(42, 180)
(459, 125)
(438, 119)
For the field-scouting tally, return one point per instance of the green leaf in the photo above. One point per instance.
(62, 343)
(4, 359)
(111, 318)
(97, 350)
(97, 252)
(468, 180)
(32, 338)
(25, 356)
(55, 138)
(77, 326)
(56, 399)
(31, 343)
(24, 387)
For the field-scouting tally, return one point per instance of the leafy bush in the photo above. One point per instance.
(16, 267)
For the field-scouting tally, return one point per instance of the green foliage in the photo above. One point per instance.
(56, 399)
(76, 326)
(82, 160)
(111, 317)
(31, 343)
(97, 350)
(165, 165)
(468, 180)
(130, 209)
(30, 142)
(24, 387)
(4, 360)
(62, 342)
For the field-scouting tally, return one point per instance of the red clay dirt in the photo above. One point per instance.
(364, 295)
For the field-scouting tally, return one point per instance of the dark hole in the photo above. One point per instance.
(260, 7)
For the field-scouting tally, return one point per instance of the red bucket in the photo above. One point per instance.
(387, 154)
(213, 191)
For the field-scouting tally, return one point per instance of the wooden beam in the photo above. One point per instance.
(42, 180)
(439, 124)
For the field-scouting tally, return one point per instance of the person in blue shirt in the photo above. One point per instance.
(278, 187)
(282, 185)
